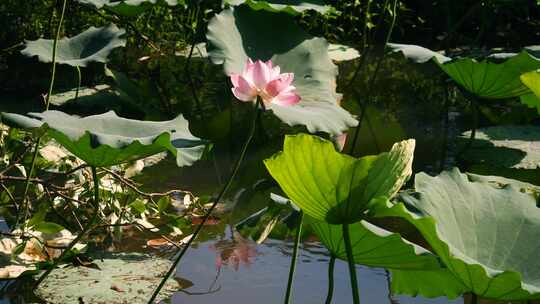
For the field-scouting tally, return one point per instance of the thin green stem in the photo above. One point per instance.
(81, 235)
(374, 77)
(330, 293)
(79, 81)
(47, 102)
(256, 113)
(350, 260)
(294, 257)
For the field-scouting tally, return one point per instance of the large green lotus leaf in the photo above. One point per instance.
(334, 187)
(293, 7)
(427, 283)
(374, 246)
(505, 146)
(106, 139)
(239, 33)
(532, 81)
(495, 77)
(485, 234)
(531, 101)
(92, 45)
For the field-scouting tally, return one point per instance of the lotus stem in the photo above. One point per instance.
(294, 257)
(79, 81)
(330, 293)
(82, 234)
(474, 109)
(474, 298)
(256, 113)
(47, 102)
(371, 81)
(350, 260)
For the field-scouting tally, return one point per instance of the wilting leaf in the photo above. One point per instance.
(92, 45)
(374, 246)
(486, 235)
(235, 35)
(106, 139)
(495, 77)
(293, 7)
(505, 146)
(334, 187)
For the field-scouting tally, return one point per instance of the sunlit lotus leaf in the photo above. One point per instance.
(106, 139)
(416, 53)
(374, 246)
(293, 7)
(92, 45)
(118, 278)
(495, 77)
(505, 146)
(339, 53)
(486, 234)
(235, 35)
(334, 187)
(532, 81)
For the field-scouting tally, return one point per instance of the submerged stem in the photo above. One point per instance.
(330, 293)
(293, 259)
(256, 113)
(86, 230)
(350, 260)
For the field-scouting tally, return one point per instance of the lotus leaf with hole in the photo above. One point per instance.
(107, 139)
(334, 187)
(486, 234)
(92, 45)
(237, 34)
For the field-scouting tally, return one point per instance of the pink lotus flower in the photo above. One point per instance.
(264, 80)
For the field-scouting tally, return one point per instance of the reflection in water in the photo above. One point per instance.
(259, 275)
(234, 252)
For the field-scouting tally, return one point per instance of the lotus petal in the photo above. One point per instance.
(239, 34)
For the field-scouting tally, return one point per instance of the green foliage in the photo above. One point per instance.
(334, 187)
(375, 247)
(235, 36)
(293, 7)
(106, 139)
(483, 233)
(93, 45)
